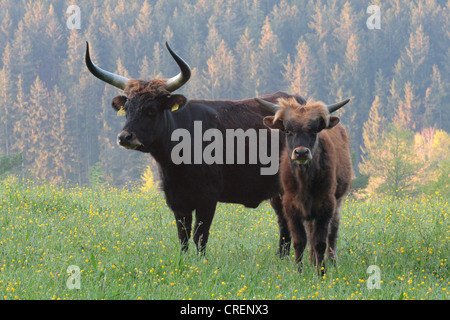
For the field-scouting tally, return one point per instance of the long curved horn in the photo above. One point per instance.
(334, 107)
(106, 76)
(180, 79)
(269, 106)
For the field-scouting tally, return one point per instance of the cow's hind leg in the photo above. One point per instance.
(285, 236)
(203, 218)
(184, 226)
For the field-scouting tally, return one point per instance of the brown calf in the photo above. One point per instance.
(315, 172)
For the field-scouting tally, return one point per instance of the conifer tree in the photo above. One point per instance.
(219, 77)
(407, 109)
(7, 114)
(436, 103)
(60, 142)
(391, 166)
(373, 134)
(301, 73)
(22, 130)
(381, 90)
(247, 66)
(228, 20)
(23, 60)
(53, 43)
(346, 26)
(38, 120)
(144, 22)
(284, 18)
(157, 62)
(320, 22)
(269, 60)
(6, 30)
(415, 54)
(255, 16)
(213, 39)
(352, 57)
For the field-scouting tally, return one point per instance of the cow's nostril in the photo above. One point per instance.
(128, 140)
(128, 136)
(301, 152)
(124, 136)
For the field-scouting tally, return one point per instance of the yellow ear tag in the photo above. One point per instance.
(175, 107)
(121, 112)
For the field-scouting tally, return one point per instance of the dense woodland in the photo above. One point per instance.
(58, 116)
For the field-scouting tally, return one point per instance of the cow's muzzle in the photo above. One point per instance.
(128, 140)
(301, 155)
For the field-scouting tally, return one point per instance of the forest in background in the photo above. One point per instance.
(56, 118)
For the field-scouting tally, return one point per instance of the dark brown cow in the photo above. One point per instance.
(315, 173)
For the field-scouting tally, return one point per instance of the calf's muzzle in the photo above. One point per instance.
(301, 155)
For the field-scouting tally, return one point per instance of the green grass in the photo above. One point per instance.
(125, 243)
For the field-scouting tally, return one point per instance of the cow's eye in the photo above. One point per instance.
(317, 126)
(316, 129)
(288, 132)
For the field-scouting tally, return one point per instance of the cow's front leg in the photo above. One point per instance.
(320, 231)
(184, 226)
(203, 218)
(319, 240)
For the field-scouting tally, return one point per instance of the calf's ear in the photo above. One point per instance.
(175, 102)
(333, 122)
(118, 102)
(268, 121)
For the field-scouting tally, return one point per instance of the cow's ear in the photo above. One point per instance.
(333, 122)
(118, 102)
(175, 102)
(268, 121)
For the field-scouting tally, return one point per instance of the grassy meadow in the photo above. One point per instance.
(126, 247)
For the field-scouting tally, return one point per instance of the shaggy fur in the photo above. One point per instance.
(155, 88)
(313, 192)
(291, 109)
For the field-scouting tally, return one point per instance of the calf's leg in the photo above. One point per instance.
(319, 242)
(298, 234)
(332, 236)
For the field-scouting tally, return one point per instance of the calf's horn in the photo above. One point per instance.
(106, 76)
(180, 79)
(334, 107)
(269, 106)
